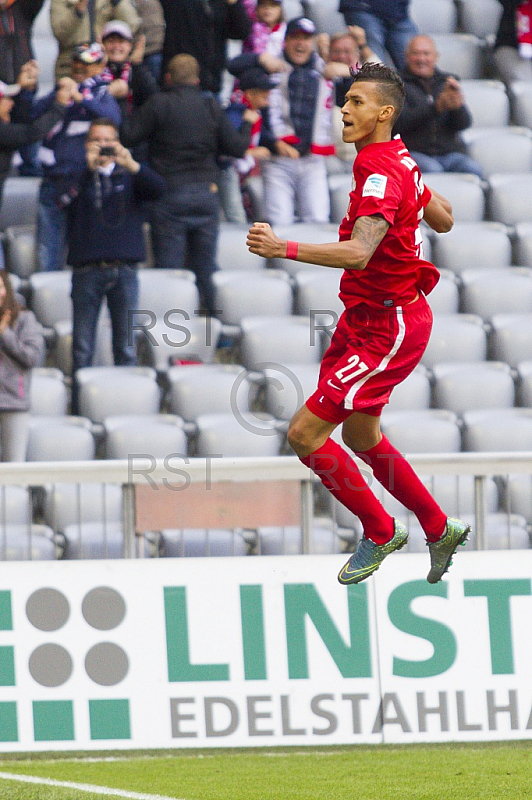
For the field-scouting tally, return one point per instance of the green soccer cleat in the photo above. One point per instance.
(369, 556)
(442, 551)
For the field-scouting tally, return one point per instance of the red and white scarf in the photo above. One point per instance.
(524, 28)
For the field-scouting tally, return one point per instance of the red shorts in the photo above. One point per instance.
(371, 351)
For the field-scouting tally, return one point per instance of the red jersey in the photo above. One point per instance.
(387, 181)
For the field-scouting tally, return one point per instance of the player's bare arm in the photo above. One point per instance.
(439, 213)
(368, 233)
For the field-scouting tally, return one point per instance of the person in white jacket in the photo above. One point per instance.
(21, 349)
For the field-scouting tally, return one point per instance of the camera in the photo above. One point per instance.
(107, 151)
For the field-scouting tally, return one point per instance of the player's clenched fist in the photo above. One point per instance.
(263, 242)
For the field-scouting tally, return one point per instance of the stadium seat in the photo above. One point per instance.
(445, 297)
(464, 192)
(50, 296)
(463, 387)
(288, 540)
(62, 343)
(517, 495)
(498, 430)
(19, 202)
(179, 339)
(231, 435)
(486, 293)
(254, 189)
(339, 188)
(248, 294)
(15, 506)
(287, 388)
(521, 99)
(503, 532)
(94, 540)
(500, 150)
(456, 337)
(412, 393)
(60, 439)
(111, 391)
(487, 101)
(207, 389)
(27, 543)
(524, 383)
(511, 338)
(317, 291)
(198, 542)
(305, 232)
(232, 251)
(285, 340)
(480, 17)
(460, 54)
(509, 198)
(437, 17)
(470, 244)
(325, 15)
(523, 244)
(158, 436)
(20, 250)
(48, 392)
(163, 290)
(76, 503)
(431, 431)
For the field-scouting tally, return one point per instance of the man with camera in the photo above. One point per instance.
(106, 243)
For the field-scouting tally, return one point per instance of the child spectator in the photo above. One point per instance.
(268, 30)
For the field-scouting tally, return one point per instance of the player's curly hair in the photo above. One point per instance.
(389, 83)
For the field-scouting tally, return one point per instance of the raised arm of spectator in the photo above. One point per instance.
(17, 134)
(237, 21)
(102, 104)
(67, 20)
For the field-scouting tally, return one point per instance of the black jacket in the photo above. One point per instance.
(422, 127)
(391, 10)
(15, 37)
(201, 28)
(186, 131)
(507, 32)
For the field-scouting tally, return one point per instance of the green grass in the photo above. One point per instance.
(499, 771)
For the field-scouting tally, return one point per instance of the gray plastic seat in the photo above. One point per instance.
(500, 150)
(46, 51)
(521, 96)
(491, 292)
(456, 337)
(162, 291)
(317, 293)
(523, 243)
(431, 431)
(73, 504)
(19, 202)
(518, 495)
(511, 338)
(50, 296)
(111, 391)
(231, 435)
(498, 430)
(289, 340)
(198, 542)
(437, 17)
(208, 389)
(94, 540)
(159, 437)
(62, 343)
(193, 340)
(60, 439)
(287, 541)
(464, 387)
(232, 251)
(287, 388)
(20, 249)
(460, 54)
(339, 188)
(247, 294)
(480, 17)
(324, 14)
(524, 374)
(48, 392)
(464, 192)
(487, 101)
(509, 198)
(15, 506)
(473, 244)
(445, 297)
(27, 542)
(412, 393)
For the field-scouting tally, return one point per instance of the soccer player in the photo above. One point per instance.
(382, 333)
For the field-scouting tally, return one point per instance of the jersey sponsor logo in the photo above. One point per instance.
(375, 186)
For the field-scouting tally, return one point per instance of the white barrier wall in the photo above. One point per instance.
(263, 651)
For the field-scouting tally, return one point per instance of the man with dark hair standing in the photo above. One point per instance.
(382, 334)
(186, 131)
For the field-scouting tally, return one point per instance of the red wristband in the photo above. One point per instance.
(291, 250)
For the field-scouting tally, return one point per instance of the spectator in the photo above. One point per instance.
(434, 113)
(77, 22)
(255, 86)
(186, 132)
(106, 243)
(513, 43)
(153, 27)
(297, 128)
(202, 29)
(16, 20)
(21, 348)
(268, 30)
(387, 24)
(129, 81)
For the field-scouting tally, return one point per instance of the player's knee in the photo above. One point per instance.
(300, 438)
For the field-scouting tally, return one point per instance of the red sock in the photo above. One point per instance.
(341, 476)
(397, 476)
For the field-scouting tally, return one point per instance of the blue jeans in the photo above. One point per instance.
(384, 35)
(185, 224)
(154, 63)
(51, 227)
(89, 286)
(450, 162)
